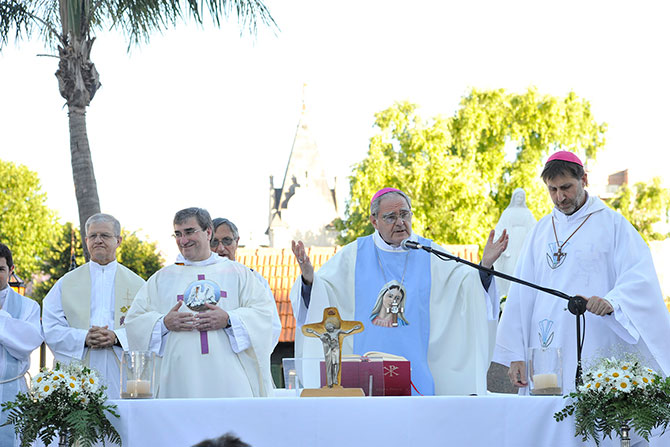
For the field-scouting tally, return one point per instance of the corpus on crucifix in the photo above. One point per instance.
(331, 331)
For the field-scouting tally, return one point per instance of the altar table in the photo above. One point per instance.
(494, 420)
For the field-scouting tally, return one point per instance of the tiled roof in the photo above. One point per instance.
(279, 267)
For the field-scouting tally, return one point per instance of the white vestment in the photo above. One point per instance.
(20, 335)
(462, 317)
(234, 366)
(66, 336)
(606, 257)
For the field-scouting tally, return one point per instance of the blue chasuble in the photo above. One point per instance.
(410, 337)
(9, 369)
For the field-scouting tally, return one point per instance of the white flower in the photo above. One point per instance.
(72, 384)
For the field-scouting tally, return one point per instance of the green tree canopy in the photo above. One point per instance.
(27, 225)
(644, 206)
(460, 171)
(140, 256)
(65, 251)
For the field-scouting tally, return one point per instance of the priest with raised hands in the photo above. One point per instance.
(439, 315)
(583, 248)
(207, 317)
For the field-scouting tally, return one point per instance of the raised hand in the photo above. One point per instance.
(493, 249)
(306, 267)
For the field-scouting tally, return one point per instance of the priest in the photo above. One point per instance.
(84, 311)
(436, 314)
(20, 335)
(207, 316)
(583, 248)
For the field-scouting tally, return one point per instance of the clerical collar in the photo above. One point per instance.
(213, 259)
(94, 266)
(382, 245)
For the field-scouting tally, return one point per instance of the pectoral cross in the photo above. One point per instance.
(395, 308)
(559, 255)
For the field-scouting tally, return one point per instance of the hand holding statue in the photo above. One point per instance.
(214, 318)
(306, 267)
(179, 321)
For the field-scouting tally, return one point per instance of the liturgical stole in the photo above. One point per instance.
(76, 295)
(410, 339)
(9, 370)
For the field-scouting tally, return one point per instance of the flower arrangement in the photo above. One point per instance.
(617, 393)
(68, 400)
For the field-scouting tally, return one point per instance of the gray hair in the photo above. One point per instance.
(200, 214)
(223, 221)
(104, 218)
(374, 206)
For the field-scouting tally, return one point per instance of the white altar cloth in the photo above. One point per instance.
(495, 420)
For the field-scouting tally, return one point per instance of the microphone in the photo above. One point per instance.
(407, 244)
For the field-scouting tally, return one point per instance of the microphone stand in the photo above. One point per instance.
(576, 304)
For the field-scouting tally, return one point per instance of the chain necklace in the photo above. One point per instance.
(558, 254)
(379, 260)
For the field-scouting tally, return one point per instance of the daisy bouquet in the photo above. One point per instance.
(68, 401)
(617, 393)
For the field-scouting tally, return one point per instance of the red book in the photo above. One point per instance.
(377, 373)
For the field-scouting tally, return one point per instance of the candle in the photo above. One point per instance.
(137, 388)
(545, 380)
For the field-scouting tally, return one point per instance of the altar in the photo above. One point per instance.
(493, 420)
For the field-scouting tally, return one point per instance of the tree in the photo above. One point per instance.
(460, 171)
(27, 225)
(644, 206)
(65, 252)
(139, 256)
(69, 25)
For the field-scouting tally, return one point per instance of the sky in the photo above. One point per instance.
(203, 117)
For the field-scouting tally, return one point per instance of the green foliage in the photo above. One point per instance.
(647, 205)
(68, 401)
(58, 260)
(141, 257)
(603, 410)
(460, 171)
(56, 21)
(27, 225)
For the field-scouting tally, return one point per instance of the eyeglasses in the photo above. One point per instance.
(187, 232)
(391, 218)
(226, 241)
(103, 236)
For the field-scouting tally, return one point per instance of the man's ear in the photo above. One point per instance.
(373, 221)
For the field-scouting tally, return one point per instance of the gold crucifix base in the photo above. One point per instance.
(335, 391)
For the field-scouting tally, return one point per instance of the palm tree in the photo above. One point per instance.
(68, 25)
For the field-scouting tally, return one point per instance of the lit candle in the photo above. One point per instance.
(138, 388)
(542, 381)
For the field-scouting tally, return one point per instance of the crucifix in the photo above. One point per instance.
(331, 331)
